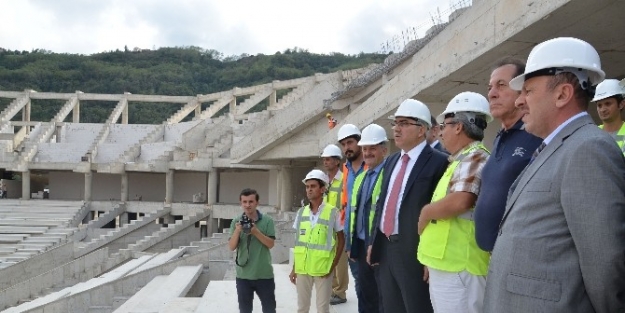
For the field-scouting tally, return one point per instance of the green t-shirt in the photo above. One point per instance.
(259, 259)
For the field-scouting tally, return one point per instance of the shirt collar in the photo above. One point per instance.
(434, 143)
(378, 168)
(348, 165)
(557, 130)
(519, 125)
(338, 176)
(414, 152)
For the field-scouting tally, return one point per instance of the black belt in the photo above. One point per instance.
(393, 238)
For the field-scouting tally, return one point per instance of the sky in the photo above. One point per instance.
(232, 27)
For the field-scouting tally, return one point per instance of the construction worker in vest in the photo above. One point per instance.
(331, 157)
(348, 138)
(319, 238)
(610, 103)
(456, 266)
(365, 194)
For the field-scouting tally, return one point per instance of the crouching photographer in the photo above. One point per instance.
(252, 234)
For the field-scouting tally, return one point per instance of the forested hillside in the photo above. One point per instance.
(166, 71)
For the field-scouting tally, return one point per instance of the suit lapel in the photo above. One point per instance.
(417, 168)
(388, 171)
(530, 170)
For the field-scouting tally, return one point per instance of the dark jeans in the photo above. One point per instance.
(264, 288)
(368, 282)
(353, 267)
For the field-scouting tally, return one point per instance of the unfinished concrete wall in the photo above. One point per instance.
(106, 187)
(149, 186)
(186, 184)
(231, 184)
(66, 185)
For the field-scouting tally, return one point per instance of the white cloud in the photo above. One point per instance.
(231, 27)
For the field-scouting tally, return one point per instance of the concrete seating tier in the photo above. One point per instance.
(162, 289)
(156, 150)
(174, 132)
(128, 134)
(31, 227)
(80, 133)
(60, 152)
(112, 289)
(83, 248)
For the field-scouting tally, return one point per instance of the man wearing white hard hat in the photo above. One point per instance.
(512, 150)
(561, 241)
(457, 266)
(408, 183)
(365, 195)
(331, 157)
(318, 244)
(610, 102)
(348, 137)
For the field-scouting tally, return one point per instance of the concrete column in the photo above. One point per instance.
(272, 98)
(76, 113)
(169, 186)
(233, 105)
(26, 185)
(286, 192)
(124, 191)
(125, 114)
(26, 113)
(123, 219)
(198, 110)
(278, 190)
(88, 183)
(212, 190)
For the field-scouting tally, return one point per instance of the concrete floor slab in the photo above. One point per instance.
(221, 296)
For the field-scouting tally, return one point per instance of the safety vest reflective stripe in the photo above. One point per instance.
(357, 189)
(333, 197)
(314, 249)
(449, 244)
(620, 137)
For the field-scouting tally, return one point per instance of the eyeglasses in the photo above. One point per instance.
(403, 124)
(442, 125)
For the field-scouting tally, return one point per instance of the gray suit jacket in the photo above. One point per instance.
(561, 246)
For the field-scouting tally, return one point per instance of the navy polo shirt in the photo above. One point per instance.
(512, 151)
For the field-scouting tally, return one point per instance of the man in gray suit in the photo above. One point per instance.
(561, 245)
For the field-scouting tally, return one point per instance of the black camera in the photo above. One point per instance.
(246, 223)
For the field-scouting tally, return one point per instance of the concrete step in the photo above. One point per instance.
(181, 305)
(159, 259)
(100, 309)
(221, 296)
(162, 289)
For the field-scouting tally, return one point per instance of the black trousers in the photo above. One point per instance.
(264, 288)
(400, 278)
(368, 281)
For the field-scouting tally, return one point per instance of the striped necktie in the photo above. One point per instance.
(538, 150)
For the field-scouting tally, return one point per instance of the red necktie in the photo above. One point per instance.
(391, 205)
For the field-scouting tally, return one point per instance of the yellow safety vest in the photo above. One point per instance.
(333, 196)
(449, 245)
(620, 137)
(375, 194)
(315, 247)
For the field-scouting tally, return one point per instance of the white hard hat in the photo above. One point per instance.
(414, 109)
(467, 102)
(372, 135)
(608, 88)
(348, 130)
(564, 54)
(331, 151)
(317, 174)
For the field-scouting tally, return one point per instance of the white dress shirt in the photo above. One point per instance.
(413, 154)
